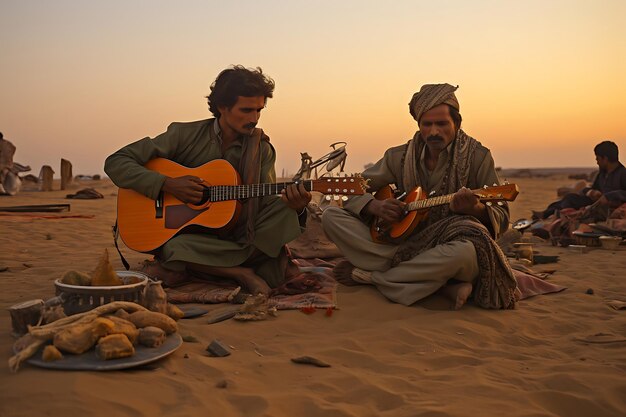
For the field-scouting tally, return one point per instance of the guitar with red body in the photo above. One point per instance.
(418, 205)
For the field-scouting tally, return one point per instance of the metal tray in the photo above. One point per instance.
(88, 361)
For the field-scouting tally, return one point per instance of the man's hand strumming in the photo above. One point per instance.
(389, 210)
(187, 189)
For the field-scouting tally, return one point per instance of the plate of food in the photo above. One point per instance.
(115, 335)
(106, 333)
(89, 361)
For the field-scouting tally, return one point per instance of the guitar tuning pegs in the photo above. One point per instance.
(500, 203)
(327, 197)
(495, 185)
(336, 197)
(344, 198)
(489, 203)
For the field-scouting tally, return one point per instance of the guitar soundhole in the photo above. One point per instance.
(206, 196)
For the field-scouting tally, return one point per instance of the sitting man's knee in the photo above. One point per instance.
(330, 214)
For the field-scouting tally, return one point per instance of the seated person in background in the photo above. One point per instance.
(608, 189)
(453, 249)
(7, 151)
(253, 252)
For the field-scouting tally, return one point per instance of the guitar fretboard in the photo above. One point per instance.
(429, 202)
(482, 194)
(239, 192)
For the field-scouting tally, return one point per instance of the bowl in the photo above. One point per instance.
(578, 248)
(586, 238)
(81, 298)
(610, 242)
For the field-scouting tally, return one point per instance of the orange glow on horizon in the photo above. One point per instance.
(540, 82)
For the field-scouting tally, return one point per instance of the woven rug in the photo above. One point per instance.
(315, 287)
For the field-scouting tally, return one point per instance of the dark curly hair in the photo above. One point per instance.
(238, 81)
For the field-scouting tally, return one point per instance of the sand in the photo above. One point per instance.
(541, 359)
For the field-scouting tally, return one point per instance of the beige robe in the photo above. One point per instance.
(416, 278)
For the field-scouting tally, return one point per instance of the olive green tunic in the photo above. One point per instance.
(388, 170)
(193, 144)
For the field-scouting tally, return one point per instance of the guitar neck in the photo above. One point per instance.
(506, 192)
(429, 202)
(240, 192)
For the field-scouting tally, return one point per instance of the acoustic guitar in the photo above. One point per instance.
(145, 224)
(418, 205)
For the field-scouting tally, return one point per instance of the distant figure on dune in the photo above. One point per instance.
(9, 181)
(453, 249)
(253, 252)
(608, 188)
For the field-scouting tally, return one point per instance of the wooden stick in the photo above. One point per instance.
(47, 333)
(98, 311)
(16, 360)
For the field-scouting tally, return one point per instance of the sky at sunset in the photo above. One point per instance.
(541, 82)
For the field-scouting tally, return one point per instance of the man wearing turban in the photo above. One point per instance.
(453, 249)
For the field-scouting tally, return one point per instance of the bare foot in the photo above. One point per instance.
(457, 293)
(245, 277)
(343, 273)
(253, 283)
(170, 278)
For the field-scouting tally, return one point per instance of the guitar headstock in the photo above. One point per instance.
(505, 192)
(354, 185)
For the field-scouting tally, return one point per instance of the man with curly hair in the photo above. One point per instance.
(253, 253)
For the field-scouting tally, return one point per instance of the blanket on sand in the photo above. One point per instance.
(315, 287)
